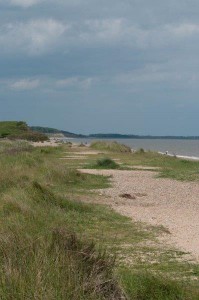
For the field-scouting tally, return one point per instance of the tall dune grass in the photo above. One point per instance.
(110, 146)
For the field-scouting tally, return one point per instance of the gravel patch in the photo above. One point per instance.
(170, 203)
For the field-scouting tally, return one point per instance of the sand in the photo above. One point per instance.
(50, 143)
(158, 201)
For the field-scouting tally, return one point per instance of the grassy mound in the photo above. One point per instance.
(30, 136)
(9, 128)
(110, 146)
(20, 130)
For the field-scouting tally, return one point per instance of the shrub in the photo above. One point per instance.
(4, 134)
(140, 151)
(30, 136)
(106, 163)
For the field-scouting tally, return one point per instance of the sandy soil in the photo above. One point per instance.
(158, 201)
(50, 143)
(93, 152)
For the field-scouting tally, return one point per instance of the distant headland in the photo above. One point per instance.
(20, 129)
(52, 131)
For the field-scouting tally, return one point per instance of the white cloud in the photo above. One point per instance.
(43, 83)
(171, 73)
(34, 37)
(30, 3)
(24, 84)
(108, 29)
(184, 30)
(111, 31)
(37, 37)
(24, 3)
(82, 83)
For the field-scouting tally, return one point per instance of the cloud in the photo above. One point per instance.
(41, 36)
(174, 73)
(34, 37)
(46, 83)
(82, 83)
(117, 31)
(30, 3)
(103, 30)
(24, 3)
(184, 29)
(24, 84)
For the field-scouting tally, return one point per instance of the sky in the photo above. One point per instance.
(108, 66)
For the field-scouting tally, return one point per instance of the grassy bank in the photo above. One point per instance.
(20, 130)
(169, 167)
(56, 244)
(110, 146)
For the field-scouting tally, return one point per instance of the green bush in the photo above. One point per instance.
(106, 163)
(30, 136)
(20, 130)
(140, 151)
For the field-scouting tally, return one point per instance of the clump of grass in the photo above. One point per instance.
(146, 286)
(96, 267)
(140, 151)
(110, 146)
(73, 179)
(44, 196)
(58, 266)
(105, 163)
(13, 148)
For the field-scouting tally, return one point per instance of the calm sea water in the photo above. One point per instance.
(177, 147)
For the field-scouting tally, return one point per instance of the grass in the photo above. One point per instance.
(167, 167)
(171, 167)
(12, 128)
(110, 146)
(146, 286)
(20, 130)
(104, 163)
(55, 246)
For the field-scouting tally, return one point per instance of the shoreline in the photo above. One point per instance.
(54, 142)
(161, 149)
(194, 158)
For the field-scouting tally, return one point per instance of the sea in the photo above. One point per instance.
(184, 148)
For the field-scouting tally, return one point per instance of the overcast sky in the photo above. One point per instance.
(87, 66)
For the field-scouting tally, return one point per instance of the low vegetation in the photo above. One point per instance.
(104, 163)
(169, 167)
(54, 245)
(8, 128)
(110, 146)
(20, 130)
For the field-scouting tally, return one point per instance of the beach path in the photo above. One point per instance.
(157, 201)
